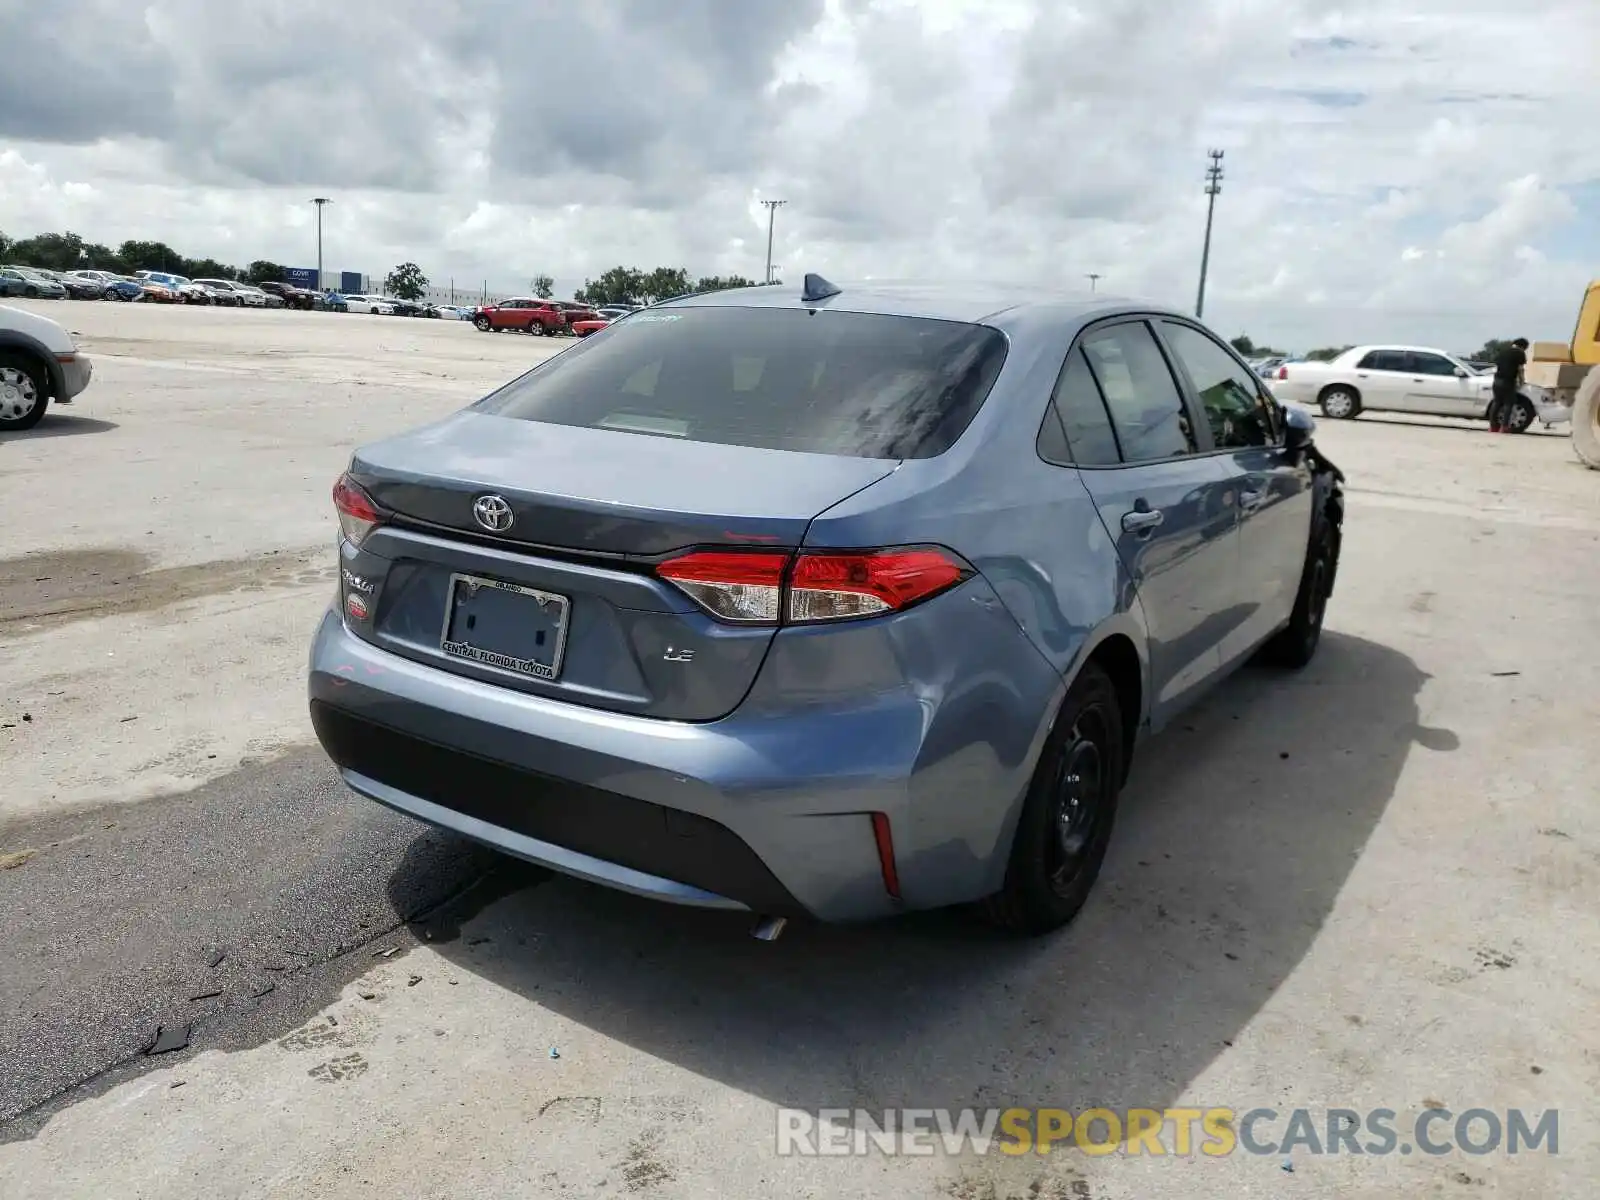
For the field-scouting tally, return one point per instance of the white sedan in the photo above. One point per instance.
(1406, 379)
(369, 304)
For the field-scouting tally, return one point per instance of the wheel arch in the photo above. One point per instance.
(1340, 385)
(1120, 659)
(15, 341)
(1120, 653)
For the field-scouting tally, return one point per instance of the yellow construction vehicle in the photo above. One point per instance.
(1570, 373)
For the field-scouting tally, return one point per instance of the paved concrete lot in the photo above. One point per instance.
(1371, 885)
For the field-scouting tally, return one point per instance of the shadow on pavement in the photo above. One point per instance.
(1462, 425)
(1239, 829)
(56, 423)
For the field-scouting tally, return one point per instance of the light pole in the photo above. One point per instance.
(1093, 280)
(772, 207)
(319, 201)
(1213, 187)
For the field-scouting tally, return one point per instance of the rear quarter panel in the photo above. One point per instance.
(1053, 588)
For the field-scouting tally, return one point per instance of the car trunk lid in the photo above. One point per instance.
(560, 599)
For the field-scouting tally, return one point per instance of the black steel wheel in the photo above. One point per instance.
(1069, 812)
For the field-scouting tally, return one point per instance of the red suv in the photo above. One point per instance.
(538, 317)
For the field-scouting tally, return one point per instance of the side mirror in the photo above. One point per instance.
(1462, 373)
(1298, 428)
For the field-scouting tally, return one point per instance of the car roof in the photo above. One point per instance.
(974, 303)
(1403, 349)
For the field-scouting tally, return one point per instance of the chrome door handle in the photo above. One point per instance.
(1142, 520)
(1250, 501)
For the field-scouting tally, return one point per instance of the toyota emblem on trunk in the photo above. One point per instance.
(493, 513)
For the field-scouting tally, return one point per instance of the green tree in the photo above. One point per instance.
(544, 287)
(406, 282)
(50, 251)
(1491, 350)
(1247, 348)
(719, 283)
(5, 247)
(663, 283)
(208, 268)
(619, 285)
(150, 256)
(262, 271)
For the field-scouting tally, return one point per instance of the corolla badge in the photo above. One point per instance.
(493, 513)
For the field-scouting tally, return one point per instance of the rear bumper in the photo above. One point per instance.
(765, 810)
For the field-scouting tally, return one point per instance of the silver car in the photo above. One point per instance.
(838, 602)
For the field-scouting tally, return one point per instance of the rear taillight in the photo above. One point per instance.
(731, 585)
(767, 588)
(830, 587)
(358, 514)
(1283, 372)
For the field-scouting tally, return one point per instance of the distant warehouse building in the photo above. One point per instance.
(349, 282)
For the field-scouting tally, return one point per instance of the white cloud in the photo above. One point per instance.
(1389, 174)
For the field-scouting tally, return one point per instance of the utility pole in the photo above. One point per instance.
(1093, 278)
(1213, 187)
(319, 201)
(772, 207)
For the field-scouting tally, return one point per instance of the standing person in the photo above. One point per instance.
(1508, 368)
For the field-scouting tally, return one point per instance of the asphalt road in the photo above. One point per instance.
(218, 918)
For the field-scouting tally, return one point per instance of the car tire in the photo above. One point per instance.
(30, 293)
(1586, 420)
(1295, 645)
(1068, 813)
(1340, 403)
(536, 329)
(1521, 417)
(24, 374)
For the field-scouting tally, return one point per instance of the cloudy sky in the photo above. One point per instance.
(1427, 171)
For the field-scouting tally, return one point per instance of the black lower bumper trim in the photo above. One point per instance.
(680, 846)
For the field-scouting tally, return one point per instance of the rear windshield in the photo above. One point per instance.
(862, 385)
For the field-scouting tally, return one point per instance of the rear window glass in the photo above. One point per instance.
(863, 385)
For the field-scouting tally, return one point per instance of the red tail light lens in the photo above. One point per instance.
(734, 586)
(764, 588)
(1283, 372)
(831, 587)
(358, 514)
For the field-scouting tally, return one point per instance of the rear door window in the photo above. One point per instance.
(1386, 360)
(826, 382)
(1077, 428)
(1146, 407)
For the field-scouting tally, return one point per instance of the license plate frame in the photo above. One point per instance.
(494, 660)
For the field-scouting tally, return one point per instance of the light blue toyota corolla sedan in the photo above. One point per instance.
(824, 601)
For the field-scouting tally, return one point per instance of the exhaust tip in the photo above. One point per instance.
(769, 929)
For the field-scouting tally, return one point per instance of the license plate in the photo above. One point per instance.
(505, 626)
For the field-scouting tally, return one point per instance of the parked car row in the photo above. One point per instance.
(547, 318)
(528, 314)
(163, 287)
